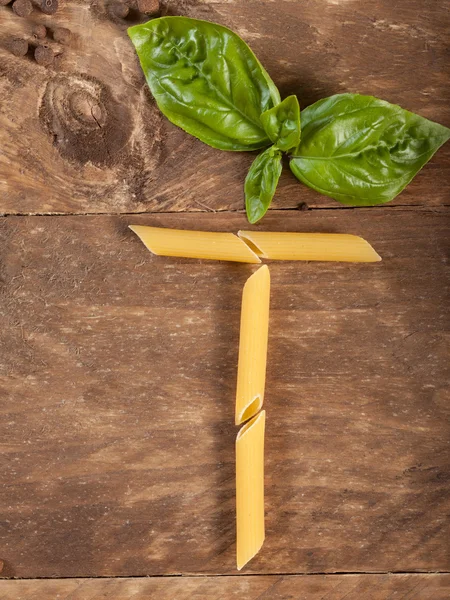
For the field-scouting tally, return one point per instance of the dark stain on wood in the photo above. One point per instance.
(84, 120)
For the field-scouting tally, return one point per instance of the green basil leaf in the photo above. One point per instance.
(261, 183)
(282, 123)
(361, 150)
(206, 80)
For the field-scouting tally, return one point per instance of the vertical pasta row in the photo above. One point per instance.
(250, 530)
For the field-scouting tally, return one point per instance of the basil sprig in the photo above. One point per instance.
(356, 149)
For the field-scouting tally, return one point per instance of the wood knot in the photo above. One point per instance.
(86, 123)
(86, 109)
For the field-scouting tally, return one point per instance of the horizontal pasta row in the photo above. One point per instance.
(251, 246)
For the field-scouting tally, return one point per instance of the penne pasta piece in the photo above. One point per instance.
(195, 244)
(251, 377)
(310, 246)
(250, 531)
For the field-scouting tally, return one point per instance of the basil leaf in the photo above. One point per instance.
(282, 123)
(361, 150)
(206, 80)
(261, 183)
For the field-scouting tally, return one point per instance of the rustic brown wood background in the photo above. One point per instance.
(117, 368)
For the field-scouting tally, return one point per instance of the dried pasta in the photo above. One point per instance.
(250, 530)
(254, 332)
(195, 244)
(309, 246)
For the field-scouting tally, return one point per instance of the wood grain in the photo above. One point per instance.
(117, 374)
(86, 137)
(264, 587)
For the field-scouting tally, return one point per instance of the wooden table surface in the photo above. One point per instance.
(118, 368)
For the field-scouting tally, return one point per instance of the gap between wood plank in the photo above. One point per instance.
(214, 575)
(409, 207)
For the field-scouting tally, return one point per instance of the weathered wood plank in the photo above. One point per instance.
(117, 374)
(85, 136)
(265, 587)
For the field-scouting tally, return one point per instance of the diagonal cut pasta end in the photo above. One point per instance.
(246, 236)
(250, 410)
(368, 252)
(144, 233)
